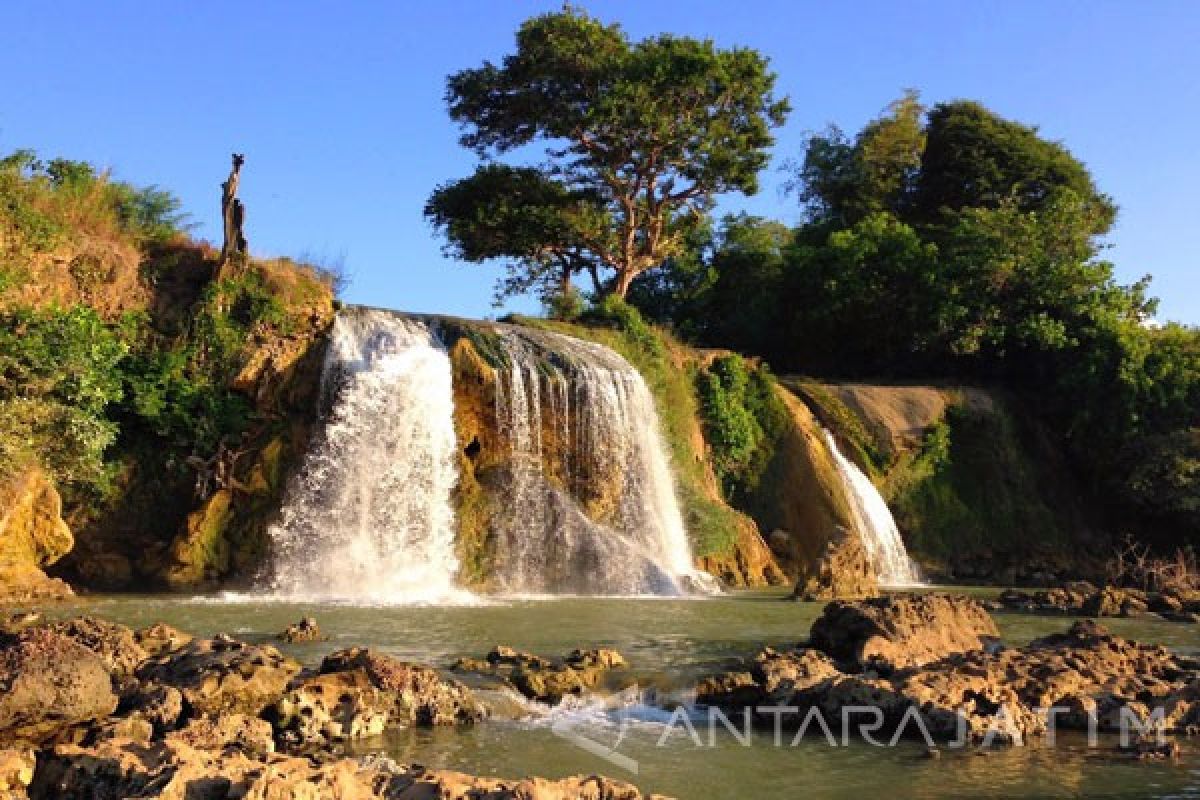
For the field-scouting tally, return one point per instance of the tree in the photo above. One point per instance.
(974, 158)
(841, 182)
(649, 131)
(518, 214)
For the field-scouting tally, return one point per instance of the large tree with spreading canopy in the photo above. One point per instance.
(638, 137)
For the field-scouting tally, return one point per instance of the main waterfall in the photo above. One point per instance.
(593, 510)
(369, 516)
(581, 494)
(875, 523)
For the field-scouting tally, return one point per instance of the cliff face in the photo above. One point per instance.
(802, 506)
(33, 535)
(976, 489)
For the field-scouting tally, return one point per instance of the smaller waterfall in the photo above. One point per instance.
(876, 526)
(369, 518)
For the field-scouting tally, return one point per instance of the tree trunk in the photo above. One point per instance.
(233, 214)
(621, 284)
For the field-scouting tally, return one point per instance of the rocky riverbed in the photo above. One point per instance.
(97, 709)
(93, 709)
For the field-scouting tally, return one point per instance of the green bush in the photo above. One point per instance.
(59, 376)
(743, 420)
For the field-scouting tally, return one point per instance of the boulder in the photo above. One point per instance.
(306, 630)
(887, 633)
(775, 678)
(50, 683)
(33, 535)
(334, 707)
(417, 694)
(543, 679)
(222, 675)
(115, 644)
(160, 639)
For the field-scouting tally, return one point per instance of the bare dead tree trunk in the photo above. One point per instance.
(233, 214)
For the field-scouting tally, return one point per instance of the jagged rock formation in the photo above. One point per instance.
(924, 675)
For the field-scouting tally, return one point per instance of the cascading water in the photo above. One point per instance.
(368, 518)
(607, 455)
(880, 536)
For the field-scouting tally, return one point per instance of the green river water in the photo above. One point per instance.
(669, 643)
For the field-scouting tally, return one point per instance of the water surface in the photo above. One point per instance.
(669, 643)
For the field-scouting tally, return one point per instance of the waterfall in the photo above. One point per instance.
(584, 434)
(368, 517)
(876, 526)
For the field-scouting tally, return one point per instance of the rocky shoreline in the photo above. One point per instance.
(92, 709)
(934, 667)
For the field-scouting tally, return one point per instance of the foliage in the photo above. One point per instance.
(45, 199)
(743, 421)
(59, 375)
(640, 136)
(956, 244)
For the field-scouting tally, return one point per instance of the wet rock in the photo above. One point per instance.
(542, 679)
(1181, 616)
(503, 655)
(114, 644)
(160, 639)
(773, 679)
(223, 675)
(418, 694)
(334, 707)
(247, 734)
(902, 630)
(306, 630)
(159, 706)
(50, 683)
(178, 770)
(993, 695)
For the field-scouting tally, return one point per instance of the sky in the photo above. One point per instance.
(339, 109)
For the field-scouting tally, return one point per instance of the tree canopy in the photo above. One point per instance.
(638, 138)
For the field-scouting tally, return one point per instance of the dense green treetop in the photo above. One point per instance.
(649, 130)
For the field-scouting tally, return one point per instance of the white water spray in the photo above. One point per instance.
(608, 455)
(368, 517)
(876, 526)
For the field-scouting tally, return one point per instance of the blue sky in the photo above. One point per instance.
(338, 108)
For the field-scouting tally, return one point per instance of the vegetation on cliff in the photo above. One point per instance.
(949, 243)
(130, 372)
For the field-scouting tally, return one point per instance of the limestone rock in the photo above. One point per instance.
(115, 644)
(33, 535)
(333, 707)
(543, 679)
(418, 694)
(902, 630)
(160, 639)
(16, 772)
(803, 501)
(177, 771)
(982, 694)
(222, 675)
(247, 734)
(50, 683)
(306, 630)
